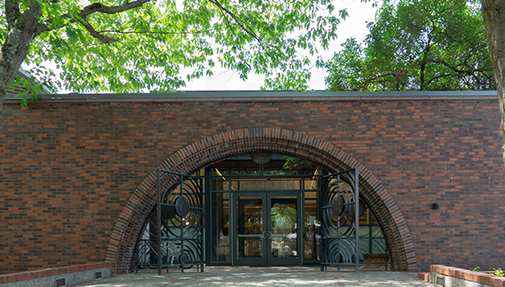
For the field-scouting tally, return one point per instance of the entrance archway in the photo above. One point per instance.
(239, 142)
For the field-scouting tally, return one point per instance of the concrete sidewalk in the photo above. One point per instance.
(262, 276)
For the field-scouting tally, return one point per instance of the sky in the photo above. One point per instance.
(354, 26)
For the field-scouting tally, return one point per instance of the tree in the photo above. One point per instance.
(416, 45)
(493, 12)
(134, 46)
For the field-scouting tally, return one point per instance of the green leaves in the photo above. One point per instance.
(32, 88)
(417, 45)
(155, 42)
(71, 34)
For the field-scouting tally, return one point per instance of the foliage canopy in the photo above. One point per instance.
(116, 46)
(416, 45)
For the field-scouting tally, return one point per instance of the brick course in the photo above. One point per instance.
(74, 174)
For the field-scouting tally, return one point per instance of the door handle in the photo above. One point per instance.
(269, 235)
(264, 235)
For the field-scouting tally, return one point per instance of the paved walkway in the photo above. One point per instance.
(262, 276)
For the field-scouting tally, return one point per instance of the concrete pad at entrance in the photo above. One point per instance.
(262, 276)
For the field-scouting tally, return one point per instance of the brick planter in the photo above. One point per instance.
(451, 276)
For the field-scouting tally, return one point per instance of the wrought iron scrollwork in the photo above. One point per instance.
(181, 225)
(182, 222)
(339, 234)
(179, 236)
(338, 220)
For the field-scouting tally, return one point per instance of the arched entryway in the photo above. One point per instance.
(238, 142)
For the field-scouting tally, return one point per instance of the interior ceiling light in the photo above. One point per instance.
(261, 157)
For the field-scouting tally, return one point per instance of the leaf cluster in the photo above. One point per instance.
(151, 47)
(499, 272)
(416, 45)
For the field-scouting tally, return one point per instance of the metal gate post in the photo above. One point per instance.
(356, 216)
(158, 213)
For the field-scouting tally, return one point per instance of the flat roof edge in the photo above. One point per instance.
(274, 96)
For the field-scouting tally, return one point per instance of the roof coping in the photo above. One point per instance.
(227, 96)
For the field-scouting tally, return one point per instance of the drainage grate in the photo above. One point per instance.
(440, 281)
(60, 282)
(98, 275)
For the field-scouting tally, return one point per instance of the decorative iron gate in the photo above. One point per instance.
(340, 212)
(334, 231)
(178, 224)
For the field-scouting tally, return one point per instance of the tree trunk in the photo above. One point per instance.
(17, 43)
(493, 12)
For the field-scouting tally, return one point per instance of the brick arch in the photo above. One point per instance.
(216, 148)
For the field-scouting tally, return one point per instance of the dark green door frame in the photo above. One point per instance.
(261, 235)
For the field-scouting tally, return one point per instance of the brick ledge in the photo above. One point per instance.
(36, 274)
(474, 276)
(425, 276)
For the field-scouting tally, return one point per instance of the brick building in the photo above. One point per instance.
(78, 174)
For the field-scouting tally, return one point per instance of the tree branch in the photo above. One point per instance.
(12, 12)
(457, 70)
(227, 22)
(234, 17)
(103, 38)
(367, 82)
(248, 30)
(424, 62)
(48, 25)
(115, 9)
(145, 32)
(439, 77)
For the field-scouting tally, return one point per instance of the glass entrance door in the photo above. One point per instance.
(267, 228)
(250, 221)
(284, 230)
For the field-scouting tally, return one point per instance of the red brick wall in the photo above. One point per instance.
(67, 169)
